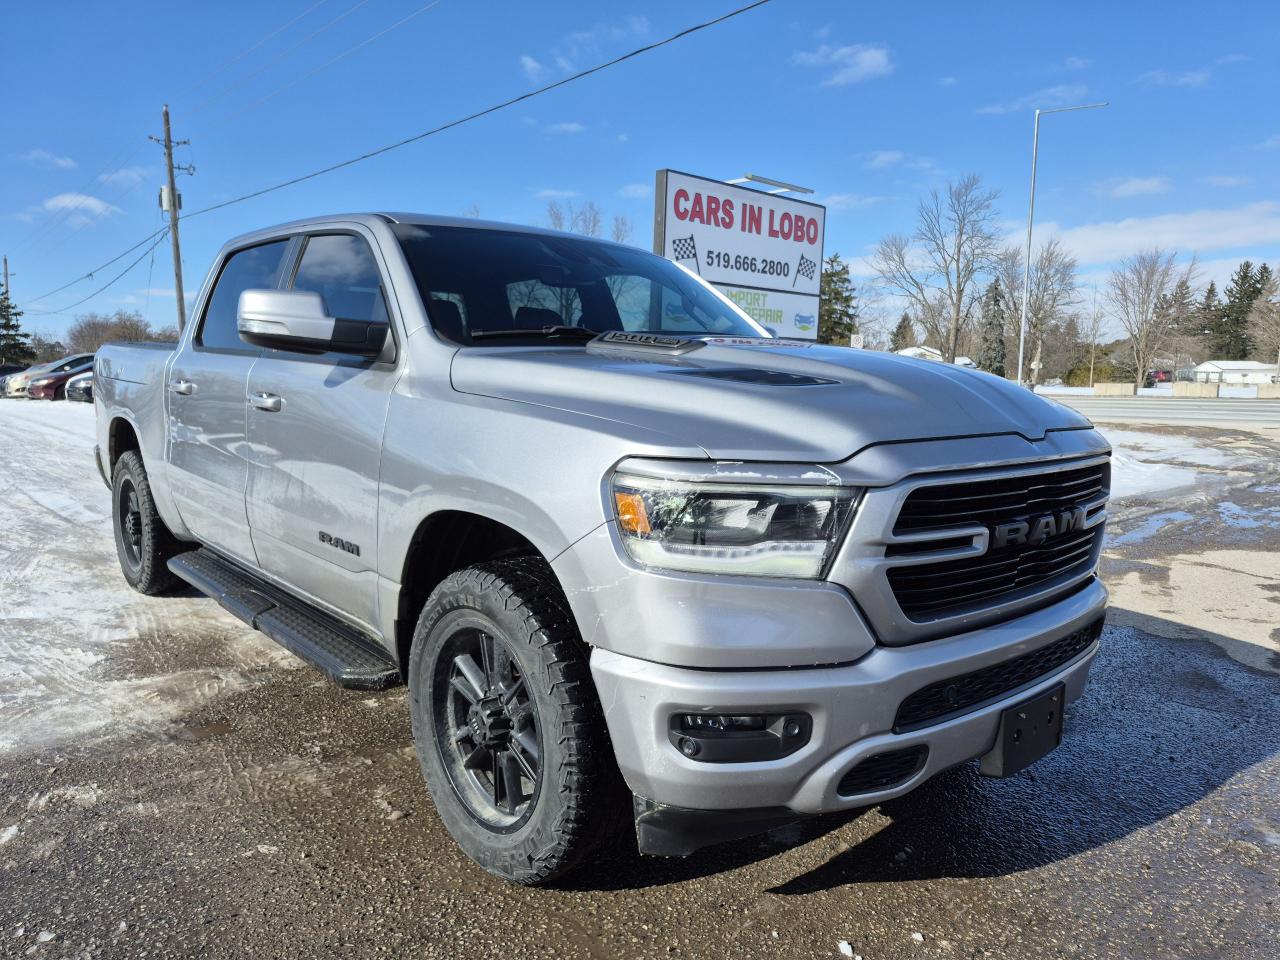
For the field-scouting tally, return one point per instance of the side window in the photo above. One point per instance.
(341, 268)
(255, 268)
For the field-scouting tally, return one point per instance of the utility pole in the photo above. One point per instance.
(172, 201)
(6, 274)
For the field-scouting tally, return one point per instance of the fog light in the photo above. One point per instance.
(739, 737)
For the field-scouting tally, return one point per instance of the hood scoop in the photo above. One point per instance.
(767, 378)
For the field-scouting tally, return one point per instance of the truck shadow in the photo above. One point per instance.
(1162, 724)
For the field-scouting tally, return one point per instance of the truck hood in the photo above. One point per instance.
(764, 400)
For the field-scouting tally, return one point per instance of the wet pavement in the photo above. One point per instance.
(277, 816)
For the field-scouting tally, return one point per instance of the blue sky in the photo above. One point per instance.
(870, 104)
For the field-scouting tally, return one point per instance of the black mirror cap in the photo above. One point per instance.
(361, 338)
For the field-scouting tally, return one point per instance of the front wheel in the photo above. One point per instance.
(507, 725)
(143, 543)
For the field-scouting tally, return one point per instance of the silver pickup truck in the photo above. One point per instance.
(635, 558)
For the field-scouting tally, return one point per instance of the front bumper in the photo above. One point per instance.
(853, 709)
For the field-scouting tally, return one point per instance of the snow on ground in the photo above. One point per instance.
(68, 620)
(1147, 463)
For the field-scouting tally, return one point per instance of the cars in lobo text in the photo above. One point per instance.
(634, 556)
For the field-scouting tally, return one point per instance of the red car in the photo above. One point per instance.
(53, 386)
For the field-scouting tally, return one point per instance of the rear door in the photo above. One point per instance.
(315, 427)
(208, 472)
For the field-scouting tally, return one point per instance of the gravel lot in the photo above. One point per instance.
(172, 784)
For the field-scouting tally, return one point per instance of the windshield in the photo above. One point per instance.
(475, 280)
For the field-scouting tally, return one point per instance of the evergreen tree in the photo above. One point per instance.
(1229, 337)
(904, 334)
(1208, 313)
(838, 309)
(991, 333)
(15, 346)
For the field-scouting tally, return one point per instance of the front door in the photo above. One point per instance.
(315, 440)
(207, 381)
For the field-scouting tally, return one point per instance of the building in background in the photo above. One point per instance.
(1240, 373)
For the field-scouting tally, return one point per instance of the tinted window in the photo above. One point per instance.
(256, 268)
(341, 268)
(502, 280)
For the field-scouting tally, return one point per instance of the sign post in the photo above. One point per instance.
(761, 250)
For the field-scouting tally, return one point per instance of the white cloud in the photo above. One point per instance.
(82, 204)
(1140, 187)
(948, 81)
(1271, 143)
(1173, 78)
(636, 191)
(1226, 181)
(1231, 58)
(47, 158)
(1076, 63)
(1249, 226)
(879, 159)
(124, 177)
(849, 64)
(622, 137)
(583, 46)
(571, 126)
(532, 68)
(549, 193)
(848, 201)
(1061, 95)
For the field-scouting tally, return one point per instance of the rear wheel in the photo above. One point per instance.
(143, 543)
(507, 726)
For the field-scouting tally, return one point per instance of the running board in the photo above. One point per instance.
(349, 658)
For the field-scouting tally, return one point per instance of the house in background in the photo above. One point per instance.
(928, 353)
(1238, 373)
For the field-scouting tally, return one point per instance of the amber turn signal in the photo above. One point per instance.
(631, 513)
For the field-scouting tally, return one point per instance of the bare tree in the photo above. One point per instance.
(89, 331)
(1091, 330)
(1136, 291)
(1264, 323)
(621, 229)
(1052, 293)
(936, 268)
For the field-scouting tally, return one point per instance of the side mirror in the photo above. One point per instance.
(297, 320)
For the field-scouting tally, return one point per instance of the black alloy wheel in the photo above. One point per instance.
(487, 728)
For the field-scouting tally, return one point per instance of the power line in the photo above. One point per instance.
(403, 143)
(329, 63)
(240, 56)
(482, 113)
(112, 281)
(274, 60)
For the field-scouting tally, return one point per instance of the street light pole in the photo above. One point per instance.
(1031, 213)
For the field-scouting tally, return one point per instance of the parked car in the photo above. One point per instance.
(80, 387)
(52, 385)
(16, 385)
(708, 580)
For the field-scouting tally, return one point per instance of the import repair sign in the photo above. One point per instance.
(745, 239)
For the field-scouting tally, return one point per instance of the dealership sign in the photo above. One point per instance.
(763, 251)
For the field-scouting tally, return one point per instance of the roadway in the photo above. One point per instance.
(1222, 413)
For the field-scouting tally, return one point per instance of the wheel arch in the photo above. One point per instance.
(122, 436)
(443, 543)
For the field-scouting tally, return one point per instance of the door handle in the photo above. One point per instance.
(266, 401)
(184, 387)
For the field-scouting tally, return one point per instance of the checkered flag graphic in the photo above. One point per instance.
(805, 269)
(685, 249)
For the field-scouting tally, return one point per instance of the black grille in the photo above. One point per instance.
(882, 771)
(947, 698)
(933, 590)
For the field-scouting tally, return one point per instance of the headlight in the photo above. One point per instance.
(40, 383)
(782, 531)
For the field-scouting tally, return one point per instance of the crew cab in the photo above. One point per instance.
(636, 559)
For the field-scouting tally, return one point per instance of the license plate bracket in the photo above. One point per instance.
(1028, 731)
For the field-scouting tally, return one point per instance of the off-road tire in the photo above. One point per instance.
(581, 802)
(144, 563)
